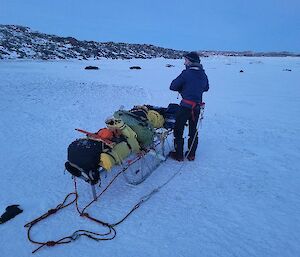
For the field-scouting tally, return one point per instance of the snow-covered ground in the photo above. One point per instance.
(239, 198)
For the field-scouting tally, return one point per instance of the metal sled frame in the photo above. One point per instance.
(143, 164)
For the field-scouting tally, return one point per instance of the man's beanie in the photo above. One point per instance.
(192, 57)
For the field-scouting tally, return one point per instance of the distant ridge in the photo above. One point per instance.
(19, 42)
(248, 53)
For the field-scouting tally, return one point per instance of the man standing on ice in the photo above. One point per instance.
(191, 84)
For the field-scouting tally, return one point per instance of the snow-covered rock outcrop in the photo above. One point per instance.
(24, 43)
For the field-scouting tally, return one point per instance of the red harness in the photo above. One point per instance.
(193, 104)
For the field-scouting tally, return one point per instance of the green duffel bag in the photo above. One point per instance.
(142, 128)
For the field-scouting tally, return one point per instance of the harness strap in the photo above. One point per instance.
(193, 104)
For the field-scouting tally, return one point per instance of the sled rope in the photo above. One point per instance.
(111, 234)
(50, 212)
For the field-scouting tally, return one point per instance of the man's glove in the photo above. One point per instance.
(11, 212)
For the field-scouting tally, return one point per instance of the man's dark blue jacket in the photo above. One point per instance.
(191, 84)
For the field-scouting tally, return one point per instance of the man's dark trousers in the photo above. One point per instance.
(183, 115)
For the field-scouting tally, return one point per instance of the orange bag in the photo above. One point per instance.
(105, 133)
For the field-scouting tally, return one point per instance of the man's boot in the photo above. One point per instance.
(190, 154)
(178, 153)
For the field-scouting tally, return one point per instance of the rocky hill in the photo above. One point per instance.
(19, 42)
(23, 43)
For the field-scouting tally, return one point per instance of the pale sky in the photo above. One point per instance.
(258, 25)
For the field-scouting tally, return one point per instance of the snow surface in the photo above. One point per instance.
(240, 197)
